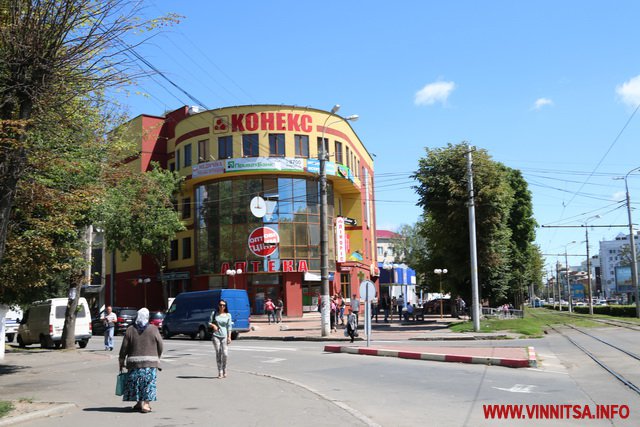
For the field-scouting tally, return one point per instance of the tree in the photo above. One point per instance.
(51, 52)
(443, 196)
(138, 215)
(411, 248)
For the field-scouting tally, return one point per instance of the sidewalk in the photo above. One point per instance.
(307, 328)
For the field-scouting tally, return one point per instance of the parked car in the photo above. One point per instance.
(156, 318)
(43, 323)
(190, 312)
(12, 321)
(126, 317)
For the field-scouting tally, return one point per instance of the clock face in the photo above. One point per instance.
(258, 207)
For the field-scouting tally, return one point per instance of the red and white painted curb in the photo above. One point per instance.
(530, 361)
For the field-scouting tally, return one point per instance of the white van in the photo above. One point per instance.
(43, 323)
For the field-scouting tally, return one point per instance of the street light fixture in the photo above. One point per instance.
(440, 272)
(144, 281)
(233, 274)
(323, 157)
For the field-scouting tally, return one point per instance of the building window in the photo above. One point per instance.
(203, 150)
(326, 146)
(250, 146)
(380, 251)
(302, 145)
(225, 147)
(172, 166)
(345, 285)
(173, 254)
(186, 208)
(348, 157)
(186, 248)
(338, 148)
(187, 155)
(276, 144)
(177, 159)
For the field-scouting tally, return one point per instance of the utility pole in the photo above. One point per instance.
(475, 300)
(632, 243)
(558, 283)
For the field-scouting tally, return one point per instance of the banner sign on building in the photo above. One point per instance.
(208, 168)
(341, 240)
(263, 241)
(313, 166)
(284, 164)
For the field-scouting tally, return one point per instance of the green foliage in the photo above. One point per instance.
(5, 408)
(62, 182)
(138, 214)
(507, 260)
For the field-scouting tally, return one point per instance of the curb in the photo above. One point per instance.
(30, 416)
(495, 361)
(533, 360)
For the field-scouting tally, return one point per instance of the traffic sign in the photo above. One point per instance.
(367, 290)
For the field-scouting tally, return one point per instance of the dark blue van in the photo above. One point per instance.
(190, 312)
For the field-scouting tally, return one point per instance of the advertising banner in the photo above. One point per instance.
(208, 168)
(284, 164)
(341, 240)
(263, 241)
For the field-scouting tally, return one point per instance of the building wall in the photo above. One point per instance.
(209, 147)
(610, 258)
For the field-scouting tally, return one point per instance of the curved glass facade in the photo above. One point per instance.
(224, 221)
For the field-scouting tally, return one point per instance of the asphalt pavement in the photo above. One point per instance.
(47, 374)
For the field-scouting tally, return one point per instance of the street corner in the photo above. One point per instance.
(512, 357)
(26, 410)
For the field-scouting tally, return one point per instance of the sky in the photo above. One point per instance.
(549, 88)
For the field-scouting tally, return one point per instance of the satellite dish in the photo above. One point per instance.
(258, 207)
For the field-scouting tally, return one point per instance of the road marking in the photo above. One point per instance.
(274, 360)
(267, 349)
(518, 388)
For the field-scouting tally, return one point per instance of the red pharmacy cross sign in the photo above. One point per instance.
(263, 241)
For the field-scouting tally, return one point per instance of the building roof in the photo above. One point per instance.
(386, 234)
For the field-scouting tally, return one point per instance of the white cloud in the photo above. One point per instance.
(618, 196)
(629, 91)
(541, 102)
(434, 92)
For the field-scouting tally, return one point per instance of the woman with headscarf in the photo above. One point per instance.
(140, 354)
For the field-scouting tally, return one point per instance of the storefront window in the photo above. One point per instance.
(224, 222)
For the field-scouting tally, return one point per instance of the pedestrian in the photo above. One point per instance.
(385, 304)
(352, 325)
(340, 303)
(109, 320)
(221, 323)
(394, 306)
(400, 306)
(355, 306)
(374, 310)
(333, 315)
(270, 309)
(460, 306)
(140, 354)
(279, 308)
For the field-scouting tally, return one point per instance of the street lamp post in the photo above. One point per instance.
(586, 231)
(440, 272)
(632, 243)
(144, 281)
(566, 272)
(324, 227)
(233, 274)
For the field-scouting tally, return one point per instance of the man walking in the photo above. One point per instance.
(400, 307)
(109, 320)
(355, 306)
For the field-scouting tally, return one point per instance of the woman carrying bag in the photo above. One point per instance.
(140, 354)
(221, 323)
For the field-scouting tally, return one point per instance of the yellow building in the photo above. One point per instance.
(251, 204)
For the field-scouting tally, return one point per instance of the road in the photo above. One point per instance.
(296, 383)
